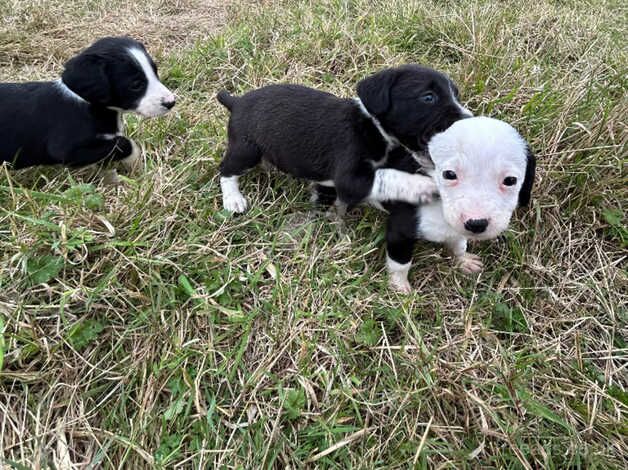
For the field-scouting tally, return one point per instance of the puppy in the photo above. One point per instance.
(76, 121)
(338, 143)
(483, 170)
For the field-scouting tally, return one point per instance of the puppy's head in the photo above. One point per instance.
(118, 73)
(412, 103)
(483, 170)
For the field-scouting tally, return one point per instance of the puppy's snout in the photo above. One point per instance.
(169, 102)
(476, 225)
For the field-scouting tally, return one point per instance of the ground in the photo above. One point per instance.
(141, 326)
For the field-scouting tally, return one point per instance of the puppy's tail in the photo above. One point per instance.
(226, 99)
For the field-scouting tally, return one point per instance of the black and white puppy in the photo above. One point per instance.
(483, 170)
(76, 121)
(340, 143)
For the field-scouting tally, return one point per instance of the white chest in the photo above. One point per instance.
(432, 226)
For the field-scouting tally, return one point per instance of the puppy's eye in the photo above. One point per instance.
(450, 175)
(136, 85)
(510, 181)
(428, 97)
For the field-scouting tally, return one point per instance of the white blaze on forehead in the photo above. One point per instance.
(151, 104)
(462, 109)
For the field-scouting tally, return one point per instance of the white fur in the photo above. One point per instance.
(67, 92)
(391, 141)
(398, 275)
(395, 185)
(132, 161)
(151, 104)
(482, 152)
(462, 109)
(118, 132)
(232, 198)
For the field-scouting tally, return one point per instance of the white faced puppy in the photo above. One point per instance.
(339, 143)
(483, 170)
(77, 120)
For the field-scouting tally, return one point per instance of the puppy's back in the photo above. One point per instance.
(289, 123)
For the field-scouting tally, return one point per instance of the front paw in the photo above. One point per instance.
(234, 202)
(426, 190)
(399, 282)
(133, 161)
(469, 263)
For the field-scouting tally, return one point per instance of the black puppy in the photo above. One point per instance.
(340, 143)
(77, 120)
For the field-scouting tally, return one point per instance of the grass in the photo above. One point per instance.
(141, 326)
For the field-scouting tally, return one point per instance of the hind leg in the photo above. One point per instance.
(323, 195)
(240, 157)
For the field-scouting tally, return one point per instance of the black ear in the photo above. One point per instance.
(374, 91)
(526, 188)
(86, 76)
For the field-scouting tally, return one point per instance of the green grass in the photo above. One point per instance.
(141, 326)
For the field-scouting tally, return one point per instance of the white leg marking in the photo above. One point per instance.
(133, 161)
(232, 198)
(398, 275)
(110, 177)
(467, 262)
(395, 185)
(341, 207)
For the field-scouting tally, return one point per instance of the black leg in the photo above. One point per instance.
(239, 158)
(98, 150)
(325, 196)
(401, 233)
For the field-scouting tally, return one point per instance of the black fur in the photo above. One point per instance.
(317, 136)
(528, 181)
(41, 124)
(403, 218)
(401, 231)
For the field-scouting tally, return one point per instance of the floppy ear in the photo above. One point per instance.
(374, 91)
(85, 75)
(526, 188)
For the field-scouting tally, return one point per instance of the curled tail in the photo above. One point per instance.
(226, 99)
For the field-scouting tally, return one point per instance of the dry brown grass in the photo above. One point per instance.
(173, 335)
(38, 36)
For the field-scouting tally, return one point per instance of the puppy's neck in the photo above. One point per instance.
(66, 91)
(391, 141)
(423, 160)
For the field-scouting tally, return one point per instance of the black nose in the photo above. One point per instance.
(476, 225)
(168, 104)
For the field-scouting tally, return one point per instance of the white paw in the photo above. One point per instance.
(399, 282)
(426, 189)
(110, 177)
(341, 207)
(133, 161)
(470, 263)
(234, 202)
